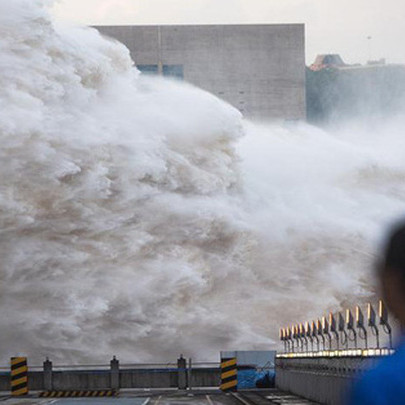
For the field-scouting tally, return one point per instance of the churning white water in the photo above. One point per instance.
(144, 218)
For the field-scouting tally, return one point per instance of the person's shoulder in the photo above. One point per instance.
(387, 368)
(384, 383)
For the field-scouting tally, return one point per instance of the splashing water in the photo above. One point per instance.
(144, 218)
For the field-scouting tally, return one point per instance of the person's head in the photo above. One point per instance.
(392, 273)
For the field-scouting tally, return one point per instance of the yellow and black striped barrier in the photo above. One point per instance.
(88, 393)
(19, 376)
(229, 374)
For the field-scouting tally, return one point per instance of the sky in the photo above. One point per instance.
(358, 30)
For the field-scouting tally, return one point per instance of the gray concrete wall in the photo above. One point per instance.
(35, 381)
(128, 378)
(148, 378)
(323, 380)
(259, 69)
(80, 380)
(205, 377)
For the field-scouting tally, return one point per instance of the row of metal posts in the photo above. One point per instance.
(323, 330)
(184, 374)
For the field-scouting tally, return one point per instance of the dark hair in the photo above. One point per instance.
(394, 252)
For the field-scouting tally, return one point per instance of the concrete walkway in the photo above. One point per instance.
(175, 397)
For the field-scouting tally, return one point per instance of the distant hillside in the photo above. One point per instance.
(335, 95)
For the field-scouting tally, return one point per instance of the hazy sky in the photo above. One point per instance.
(332, 26)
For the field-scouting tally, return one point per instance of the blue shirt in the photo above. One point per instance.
(384, 384)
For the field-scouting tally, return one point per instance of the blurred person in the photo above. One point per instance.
(385, 384)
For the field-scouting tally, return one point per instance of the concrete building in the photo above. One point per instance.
(327, 61)
(260, 69)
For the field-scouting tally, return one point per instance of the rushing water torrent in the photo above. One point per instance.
(144, 218)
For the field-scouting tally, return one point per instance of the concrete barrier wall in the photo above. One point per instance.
(5, 381)
(323, 380)
(126, 378)
(35, 381)
(205, 377)
(149, 378)
(80, 380)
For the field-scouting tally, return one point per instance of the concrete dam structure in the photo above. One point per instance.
(259, 69)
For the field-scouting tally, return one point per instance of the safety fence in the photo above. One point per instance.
(323, 358)
(341, 334)
(103, 379)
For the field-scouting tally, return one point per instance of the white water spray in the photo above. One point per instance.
(137, 220)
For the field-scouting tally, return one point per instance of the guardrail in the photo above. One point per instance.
(116, 375)
(336, 331)
(323, 358)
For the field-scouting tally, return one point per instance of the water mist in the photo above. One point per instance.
(143, 218)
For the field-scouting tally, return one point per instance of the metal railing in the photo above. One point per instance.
(122, 366)
(340, 334)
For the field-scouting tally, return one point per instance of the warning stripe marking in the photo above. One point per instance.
(21, 391)
(225, 380)
(18, 365)
(229, 374)
(228, 385)
(19, 376)
(18, 387)
(19, 370)
(15, 361)
(225, 370)
(59, 394)
(228, 363)
(22, 380)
